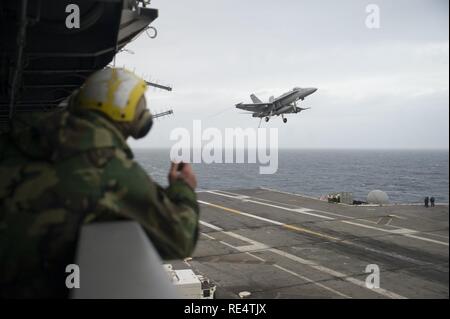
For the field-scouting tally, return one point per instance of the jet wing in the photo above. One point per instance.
(284, 96)
(257, 107)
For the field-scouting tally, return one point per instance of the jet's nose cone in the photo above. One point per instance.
(310, 91)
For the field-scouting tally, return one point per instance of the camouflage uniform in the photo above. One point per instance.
(72, 170)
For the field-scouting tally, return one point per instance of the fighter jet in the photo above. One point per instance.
(285, 104)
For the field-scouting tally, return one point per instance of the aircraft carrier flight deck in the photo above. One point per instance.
(269, 244)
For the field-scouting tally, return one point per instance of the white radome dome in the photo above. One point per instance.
(378, 197)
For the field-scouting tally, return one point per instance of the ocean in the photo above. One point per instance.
(406, 176)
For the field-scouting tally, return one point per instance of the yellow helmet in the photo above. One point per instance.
(113, 91)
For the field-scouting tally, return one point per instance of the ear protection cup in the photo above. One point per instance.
(143, 125)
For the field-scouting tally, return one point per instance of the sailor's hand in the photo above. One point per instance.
(182, 171)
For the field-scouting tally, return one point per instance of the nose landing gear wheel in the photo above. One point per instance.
(267, 119)
(285, 120)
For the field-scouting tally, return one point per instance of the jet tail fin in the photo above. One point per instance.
(255, 99)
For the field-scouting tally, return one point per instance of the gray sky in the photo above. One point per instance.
(378, 88)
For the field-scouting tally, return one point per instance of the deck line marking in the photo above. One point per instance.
(304, 230)
(248, 248)
(257, 257)
(287, 193)
(292, 227)
(295, 210)
(313, 282)
(320, 268)
(302, 277)
(317, 234)
(226, 244)
(433, 234)
(241, 213)
(210, 226)
(387, 253)
(337, 274)
(208, 236)
(400, 231)
(255, 246)
(428, 232)
(242, 238)
(427, 239)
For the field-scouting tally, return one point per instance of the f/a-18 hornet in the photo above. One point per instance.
(285, 104)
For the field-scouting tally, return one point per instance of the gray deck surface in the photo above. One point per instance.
(280, 245)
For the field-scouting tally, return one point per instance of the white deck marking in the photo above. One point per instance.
(297, 209)
(314, 265)
(303, 277)
(208, 236)
(249, 215)
(399, 231)
(404, 231)
(313, 282)
(210, 226)
(257, 257)
(322, 235)
(304, 211)
(271, 221)
(253, 243)
(337, 274)
(427, 239)
(437, 235)
(255, 246)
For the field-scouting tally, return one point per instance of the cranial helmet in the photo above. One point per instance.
(118, 94)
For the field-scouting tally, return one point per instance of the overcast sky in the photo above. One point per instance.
(378, 88)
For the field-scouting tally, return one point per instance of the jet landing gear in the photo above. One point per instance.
(267, 119)
(284, 119)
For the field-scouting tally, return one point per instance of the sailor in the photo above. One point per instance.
(74, 168)
(427, 200)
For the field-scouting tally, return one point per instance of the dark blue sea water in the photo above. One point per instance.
(406, 176)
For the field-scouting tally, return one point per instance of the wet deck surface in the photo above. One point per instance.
(280, 245)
